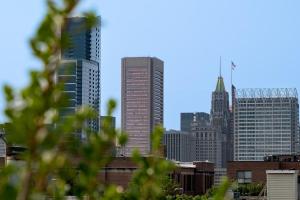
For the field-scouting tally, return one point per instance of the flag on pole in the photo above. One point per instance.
(233, 66)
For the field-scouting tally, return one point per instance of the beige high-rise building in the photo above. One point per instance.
(142, 101)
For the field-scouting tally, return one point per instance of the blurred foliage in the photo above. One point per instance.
(56, 164)
(216, 193)
(170, 187)
(251, 189)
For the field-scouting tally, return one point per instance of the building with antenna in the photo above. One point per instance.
(213, 135)
(220, 120)
(266, 122)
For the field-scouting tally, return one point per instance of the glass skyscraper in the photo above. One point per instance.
(80, 68)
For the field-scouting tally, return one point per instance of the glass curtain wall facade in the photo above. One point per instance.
(82, 86)
(80, 68)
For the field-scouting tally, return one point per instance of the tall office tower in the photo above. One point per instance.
(180, 146)
(83, 41)
(265, 123)
(80, 68)
(186, 119)
(142, 101)
(205, 140)
(220, 119)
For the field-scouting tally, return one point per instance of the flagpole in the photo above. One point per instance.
(231, 74)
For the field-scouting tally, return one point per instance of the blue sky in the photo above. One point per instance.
(261, 37)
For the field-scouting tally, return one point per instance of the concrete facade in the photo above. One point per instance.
(205, 138)
(212, 133)
(220, 120)
(142, 101)
(265, 123)
(180, 146)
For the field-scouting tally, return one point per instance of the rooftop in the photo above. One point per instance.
(267, 93)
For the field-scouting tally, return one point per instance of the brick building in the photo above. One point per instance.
(193, 178)
(255, 171)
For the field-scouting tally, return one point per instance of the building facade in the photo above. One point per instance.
(245, 172)
(212, 132)
(83, 42)
(265, 123)
(142, 101)
(81, 84)
(180, 146)
(186, 119)
(220, 120)
(3, 145)
(192, 178)
(205, 138)
(79, 71)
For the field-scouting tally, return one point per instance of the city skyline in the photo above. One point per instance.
(265, 49)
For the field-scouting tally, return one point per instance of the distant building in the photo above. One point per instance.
(186, 119)
(245, 172)
(142, 101)
(82, 86)
(212, 132)
(193, 178)
(220, 120)
(80, 68)
(84, 42)
(266, 122)
(180, 146)
(205, 137)
(3, 145)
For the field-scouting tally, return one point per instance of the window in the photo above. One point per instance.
(69, 87)
(244, 176)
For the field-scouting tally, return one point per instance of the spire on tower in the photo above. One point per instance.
(220, 66)
(220, 83)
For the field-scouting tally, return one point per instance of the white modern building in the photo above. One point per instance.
(265, 123)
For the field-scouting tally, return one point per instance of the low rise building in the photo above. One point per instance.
(255, 171)
(193, 178)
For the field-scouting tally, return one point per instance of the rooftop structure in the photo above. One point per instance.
(267, 93)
